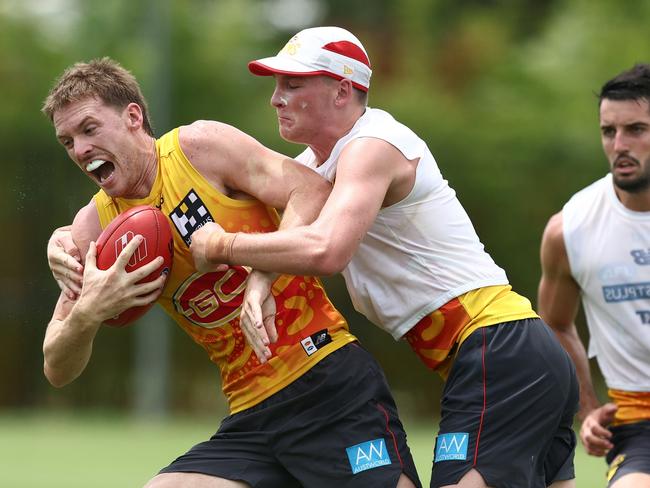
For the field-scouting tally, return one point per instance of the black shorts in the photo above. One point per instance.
(335, 426)
(508, 408)
(631, 451)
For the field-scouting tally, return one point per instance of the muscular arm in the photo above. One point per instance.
(69, 337)
(558, 302)
(67, 346)
(366, 174)
(558, 298)
(234, 161)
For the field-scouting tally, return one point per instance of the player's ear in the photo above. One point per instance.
(345, 92)
(133, 115)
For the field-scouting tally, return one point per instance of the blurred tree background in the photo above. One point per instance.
(502, 90)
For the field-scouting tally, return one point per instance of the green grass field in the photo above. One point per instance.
(81, 451)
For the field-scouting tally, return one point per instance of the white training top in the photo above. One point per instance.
(609, 254)
(420, 252)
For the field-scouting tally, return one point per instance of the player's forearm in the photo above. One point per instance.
(280, 251)
(299, 251)
(68, 345)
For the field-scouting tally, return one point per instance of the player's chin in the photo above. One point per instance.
(113, 189)
(288, 133)
(285, 124)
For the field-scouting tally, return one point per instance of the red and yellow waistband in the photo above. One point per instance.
(436, 336)
(633, 406)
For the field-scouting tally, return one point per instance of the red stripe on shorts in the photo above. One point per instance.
(480, 426)
(383, 410)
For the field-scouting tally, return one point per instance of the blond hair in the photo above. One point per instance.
(104, 79)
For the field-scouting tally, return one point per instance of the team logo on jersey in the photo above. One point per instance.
(617, 272)
(189, 215)
(315, 341)
(451, 447)
(368, 455)
(212, 299)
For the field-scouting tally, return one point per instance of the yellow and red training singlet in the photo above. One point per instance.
(633, 406)
(207, 305)
(437, 335)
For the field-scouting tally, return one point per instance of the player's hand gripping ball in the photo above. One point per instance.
(151, 224)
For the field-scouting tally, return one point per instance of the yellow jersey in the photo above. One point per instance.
(207, 305)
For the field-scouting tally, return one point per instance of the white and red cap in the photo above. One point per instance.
(330, 51)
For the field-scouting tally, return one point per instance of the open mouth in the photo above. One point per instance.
(625, 167)
(623, 161)
(624, 164)
(100, 169)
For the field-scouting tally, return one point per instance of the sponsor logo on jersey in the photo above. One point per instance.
(644, 315)
(190, 215)
(315, 341)
(626, 292)
(368, 455)
(612, 273)
(641, 256)
(451, 447)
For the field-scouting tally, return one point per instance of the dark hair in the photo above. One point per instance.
(632, 84)
(101, 78)
(362, 97)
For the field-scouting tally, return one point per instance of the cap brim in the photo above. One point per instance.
(275, 64)
(283, 66)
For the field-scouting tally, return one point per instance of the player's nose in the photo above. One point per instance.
(82, 148)
(621, 143)
(277, 100)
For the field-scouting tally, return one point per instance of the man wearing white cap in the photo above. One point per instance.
(414, 266)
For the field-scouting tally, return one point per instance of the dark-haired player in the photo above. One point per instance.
(597, 249)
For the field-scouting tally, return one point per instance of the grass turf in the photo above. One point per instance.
(108, 450)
